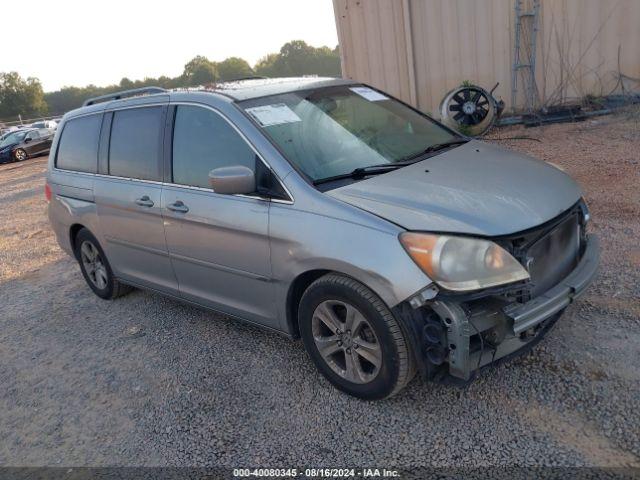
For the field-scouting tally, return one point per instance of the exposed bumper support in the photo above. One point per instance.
(535, 311)
(515, 325)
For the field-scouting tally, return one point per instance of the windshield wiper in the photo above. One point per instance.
(361, 172)
(430, 149)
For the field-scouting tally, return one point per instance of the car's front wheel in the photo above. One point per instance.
(19, 155)
(353, 338)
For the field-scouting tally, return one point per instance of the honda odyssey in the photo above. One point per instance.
(327, 210)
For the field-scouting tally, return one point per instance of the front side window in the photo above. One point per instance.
(202, 141)
(135, 145)
(78, 145)
(332, 131)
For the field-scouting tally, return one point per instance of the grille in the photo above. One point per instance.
(553, 256)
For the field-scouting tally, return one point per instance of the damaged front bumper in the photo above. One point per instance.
(456, 339)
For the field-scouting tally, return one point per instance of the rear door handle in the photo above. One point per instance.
(144, 201)
(178, 206)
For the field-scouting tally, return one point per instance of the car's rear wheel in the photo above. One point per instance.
(354, 339)
(19, 155)
(95, 267)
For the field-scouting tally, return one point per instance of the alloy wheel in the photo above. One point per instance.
(346, 341)
(20, 155)
(93, 265)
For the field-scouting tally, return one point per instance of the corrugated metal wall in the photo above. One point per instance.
(418, 50)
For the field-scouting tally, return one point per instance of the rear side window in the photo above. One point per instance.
(202, 141)
(134, 149)
(78, 145)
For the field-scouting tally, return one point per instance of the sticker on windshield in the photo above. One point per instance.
(275, 114)
(369, 94)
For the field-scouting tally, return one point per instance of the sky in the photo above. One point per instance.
(68, 42)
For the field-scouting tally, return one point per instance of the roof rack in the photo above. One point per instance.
(123, 94)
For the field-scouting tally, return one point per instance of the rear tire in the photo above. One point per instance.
(96, 269)
(353, 338)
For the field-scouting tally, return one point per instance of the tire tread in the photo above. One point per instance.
(407, 367)
(119, 289)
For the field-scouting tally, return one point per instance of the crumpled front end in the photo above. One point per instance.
(454, 336)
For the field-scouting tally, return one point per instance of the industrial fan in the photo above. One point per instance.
(470, 109)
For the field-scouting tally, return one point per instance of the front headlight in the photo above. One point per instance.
(460, 263)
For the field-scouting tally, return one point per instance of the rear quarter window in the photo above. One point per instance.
(135, 146)
(78, 145)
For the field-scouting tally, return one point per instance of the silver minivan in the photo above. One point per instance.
(327, 210)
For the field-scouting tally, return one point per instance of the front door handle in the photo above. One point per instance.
(178, 206)
(144, 201)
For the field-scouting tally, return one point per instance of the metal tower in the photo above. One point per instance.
(527, 14)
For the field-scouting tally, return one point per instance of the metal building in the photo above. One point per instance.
(543, 52)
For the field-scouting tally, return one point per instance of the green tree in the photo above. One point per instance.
(266, 66)
(21, 97)
(126, 84)
(297, 58)
(233, 68)
(65, 99)
(294, 58)
(68, 98)
(326, 62)
(167, 82)
(199, 71)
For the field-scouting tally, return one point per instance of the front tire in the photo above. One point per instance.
(96, 269)
(20, 155)
(353, 338)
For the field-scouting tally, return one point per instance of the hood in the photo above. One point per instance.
(9, 146)
(476, 189)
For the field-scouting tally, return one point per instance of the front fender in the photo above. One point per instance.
(302, 241)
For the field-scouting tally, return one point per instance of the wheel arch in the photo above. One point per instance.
(73, 234)
(302, 281)
(296, 290)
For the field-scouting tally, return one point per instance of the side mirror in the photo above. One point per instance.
(28, 139)
(233, 180)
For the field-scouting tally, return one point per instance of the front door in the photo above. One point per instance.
(33, 143)
(218, 244)
(128, 198)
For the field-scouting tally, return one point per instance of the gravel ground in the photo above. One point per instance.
(145, 380)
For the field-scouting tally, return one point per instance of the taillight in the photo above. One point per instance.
(47, 192)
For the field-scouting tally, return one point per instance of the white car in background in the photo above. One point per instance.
(6, 131)
(52, 124)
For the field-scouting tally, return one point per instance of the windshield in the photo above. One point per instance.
(14, 137)
(332, 131)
